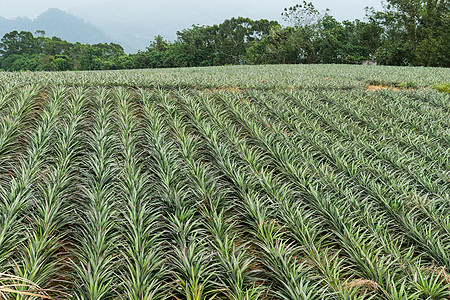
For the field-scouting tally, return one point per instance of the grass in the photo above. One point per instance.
(444, 87)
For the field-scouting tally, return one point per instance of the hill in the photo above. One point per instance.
(56, 22)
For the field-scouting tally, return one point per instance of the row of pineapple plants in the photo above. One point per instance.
(142, 193)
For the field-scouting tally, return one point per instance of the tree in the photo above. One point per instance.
(40, 33)
(305, 18)
(18, 43)
(301, 15)
(197, 44)
(159, 44)
(233, 36)
(108, 50)
(280, 47)
(63, 63)
(407, 32)
(415, 32)
(46, 63)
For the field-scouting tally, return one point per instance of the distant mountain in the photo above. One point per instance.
(58, 23)
(135, 26)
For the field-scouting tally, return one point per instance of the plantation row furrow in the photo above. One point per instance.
(399, 109)
(437, 115)
(394, 108)
(327, 212)
(14, 125)
(142, 252)
(400, 158)
(291, 158)
(276, 183)
(434, 182)
(390, 130)
(17, 193)
(45, 250)
(389, 201)
(418, 103)
(309, 234)
(189, 254)
(414, 114)
(6, 95)
(433, 99)
(95, 241)
(291, 275)
(337, 153)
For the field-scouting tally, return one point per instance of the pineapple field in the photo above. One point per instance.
(237, 182)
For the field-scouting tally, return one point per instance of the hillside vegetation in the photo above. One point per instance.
(405, 33)
(240, 182)
(56, 22)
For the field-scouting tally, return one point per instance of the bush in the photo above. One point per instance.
(444, 87)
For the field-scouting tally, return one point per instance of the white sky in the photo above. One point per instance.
(131, 9)
(133, 23)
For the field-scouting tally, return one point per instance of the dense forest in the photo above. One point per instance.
(405, 33)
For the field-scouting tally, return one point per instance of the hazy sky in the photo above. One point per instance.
(129, 9)
(134, 23)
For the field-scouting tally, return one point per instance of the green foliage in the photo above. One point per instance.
(22, 51)
(63, 63)
(416, 32)
(18, 43)
(405, 33)
(302, 15)
(224, 183)
(444, 87)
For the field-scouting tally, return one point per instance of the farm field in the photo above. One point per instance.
(239, 182)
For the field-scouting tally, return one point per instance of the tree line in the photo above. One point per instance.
(406, 32)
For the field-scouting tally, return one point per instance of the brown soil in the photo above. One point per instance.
(439, 272)
(373, 87)
(366, 283)
(224, 89)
